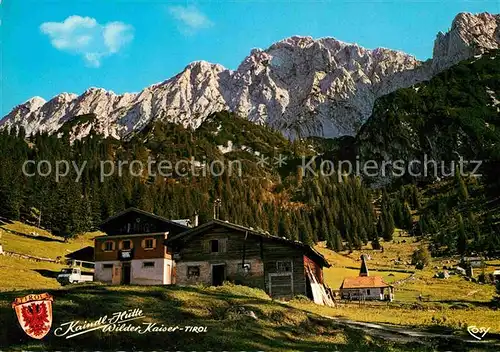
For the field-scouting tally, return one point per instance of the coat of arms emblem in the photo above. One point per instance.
(34, 313)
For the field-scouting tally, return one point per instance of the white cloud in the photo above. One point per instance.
(117, 34)
(191, 18)
(86, 37)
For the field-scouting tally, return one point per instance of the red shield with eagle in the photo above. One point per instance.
(34, 313)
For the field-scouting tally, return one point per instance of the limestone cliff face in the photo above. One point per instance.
(299, 85)
(469, 35)
(321, 87)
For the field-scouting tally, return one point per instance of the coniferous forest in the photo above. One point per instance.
(282, 202)
(459, 214)
(454, 116)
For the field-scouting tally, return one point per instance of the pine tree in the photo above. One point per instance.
(415, 197)
(337, 240)
(407, 218)
(422, 226)
(329, 241)
(380, 227)
(398, 214)
(463, 193)
(389, 227)
(304, 234)
(462, 237)
(376, 244)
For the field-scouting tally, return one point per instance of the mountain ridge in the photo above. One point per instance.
(299, 85)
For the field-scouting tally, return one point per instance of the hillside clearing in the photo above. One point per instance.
(22, 274)
(25, 239)
(409, 282)
(225, 311)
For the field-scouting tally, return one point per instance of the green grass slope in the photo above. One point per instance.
(21, 238)
(277, 326)
(20, 274)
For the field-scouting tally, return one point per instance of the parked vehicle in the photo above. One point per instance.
(73, 275)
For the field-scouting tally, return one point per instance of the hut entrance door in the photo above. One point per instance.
(281, 285)
(125, 274)
(218, 274)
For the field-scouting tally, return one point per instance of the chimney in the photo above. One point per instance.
(195, 221)
(217, 204)
(364, 268)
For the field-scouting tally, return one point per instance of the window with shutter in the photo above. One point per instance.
(126, 244)
(149, 243)
(215, 246)
(108, 246)
(223, 245)
(206, 246)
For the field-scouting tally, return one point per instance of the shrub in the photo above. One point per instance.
(484, 278)
(301, 299)
(421, 258)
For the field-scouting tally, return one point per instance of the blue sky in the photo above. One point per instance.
(55, 46)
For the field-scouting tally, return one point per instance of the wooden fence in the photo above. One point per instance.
(30, 257)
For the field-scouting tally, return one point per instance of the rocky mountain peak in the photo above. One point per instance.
(470, 34)
(35, 102)
(203, 65)
(96, 90)
(299, 85)
(63, 98)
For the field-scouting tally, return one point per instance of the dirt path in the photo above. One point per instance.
(410, 335)
(402, 281)
(471, 293)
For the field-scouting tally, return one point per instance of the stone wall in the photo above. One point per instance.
(254, 276)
